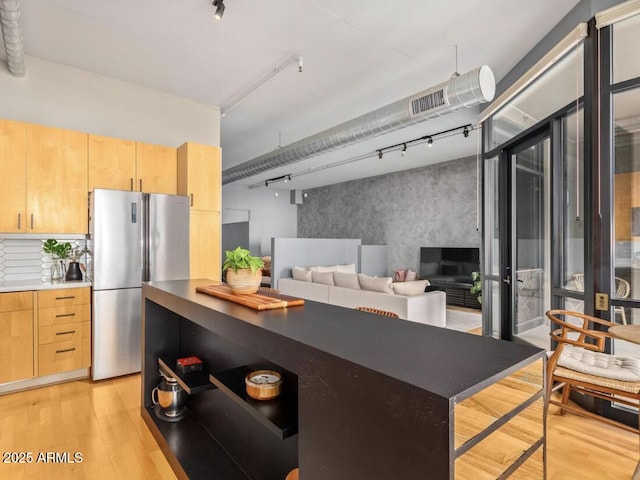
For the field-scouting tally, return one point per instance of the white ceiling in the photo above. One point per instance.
(359, 55)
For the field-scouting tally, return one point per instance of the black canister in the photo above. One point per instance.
(73, 272)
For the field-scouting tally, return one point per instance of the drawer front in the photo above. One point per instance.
(61, 315)
(65, 332)
(64, 356)
(14, 301)
(64, 297)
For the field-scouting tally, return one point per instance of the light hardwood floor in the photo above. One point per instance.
(102, 421)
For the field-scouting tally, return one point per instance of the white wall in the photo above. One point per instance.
(60, 96)
(270, 215)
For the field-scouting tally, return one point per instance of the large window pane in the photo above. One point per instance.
(557, 87)
(573, 203)
(626, 198)
(626, 38)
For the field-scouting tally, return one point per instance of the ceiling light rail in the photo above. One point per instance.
(297, 59)
(282, 178)
(379, 153)
(402, 146)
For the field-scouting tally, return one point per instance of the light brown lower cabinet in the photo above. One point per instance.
(16, 336)
(64, 330)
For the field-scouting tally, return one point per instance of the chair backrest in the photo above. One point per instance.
(622, 288)
(378, 311)
(579, 279)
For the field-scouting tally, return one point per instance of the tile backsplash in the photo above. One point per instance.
(24, 259)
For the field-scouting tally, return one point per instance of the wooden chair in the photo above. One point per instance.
(623, 289)
(568, 374)
(293, 474)
(378, 311)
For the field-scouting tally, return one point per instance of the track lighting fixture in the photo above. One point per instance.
(403, 146)
(219, 4)
(283, 178)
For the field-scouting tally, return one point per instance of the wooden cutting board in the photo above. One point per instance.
(257, 301)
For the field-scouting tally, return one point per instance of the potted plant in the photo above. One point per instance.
(477, 285)
(243, 271)
(59, 252)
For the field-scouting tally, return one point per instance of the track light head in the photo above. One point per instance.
(219, 10)
(380, 154)
(465, 132)
(429, 141)
(300, 63)
(404, 149)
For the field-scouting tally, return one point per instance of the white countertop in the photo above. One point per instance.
(22, 285)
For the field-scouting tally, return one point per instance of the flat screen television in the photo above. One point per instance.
(449, 264)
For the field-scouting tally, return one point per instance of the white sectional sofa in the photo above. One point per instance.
(428, 308)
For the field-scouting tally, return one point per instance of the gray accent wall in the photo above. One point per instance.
(432, 206)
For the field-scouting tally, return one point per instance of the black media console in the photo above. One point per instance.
(449, 269)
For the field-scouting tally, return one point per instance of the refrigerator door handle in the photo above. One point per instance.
(145, 235)
(134, 214)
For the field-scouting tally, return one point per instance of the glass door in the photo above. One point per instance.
(525, 244)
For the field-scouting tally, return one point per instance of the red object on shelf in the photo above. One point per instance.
(189, 364)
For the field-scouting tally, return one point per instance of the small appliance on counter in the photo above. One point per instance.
(169, 399)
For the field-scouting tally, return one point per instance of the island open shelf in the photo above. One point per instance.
(364, 396)
(192, 382)
(193, 454)
(279, 415)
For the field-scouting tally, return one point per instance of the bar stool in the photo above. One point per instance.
(293, 474)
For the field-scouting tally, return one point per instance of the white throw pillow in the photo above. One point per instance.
(346, 280)
(410, 288)
(410, 276)
(375, 284)
(301, 273)
(326, 268)
(347, 268)
(325, 278)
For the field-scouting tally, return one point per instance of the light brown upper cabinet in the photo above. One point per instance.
(199, 175)
(112, 163)
(157, 168)
(13, 181)
(56, 180)
(204, 245)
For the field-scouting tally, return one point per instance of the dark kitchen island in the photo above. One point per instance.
(364, 396)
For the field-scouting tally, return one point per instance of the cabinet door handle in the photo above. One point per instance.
(65, 350)
(32, 221)
(19, 220)
(66, 333)
(66, 315)
(131, 184)
(192, 199)
(140, 184)
(65, 298)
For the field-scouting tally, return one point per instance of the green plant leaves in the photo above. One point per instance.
(477, 285)
(60, 250)
(241, 258)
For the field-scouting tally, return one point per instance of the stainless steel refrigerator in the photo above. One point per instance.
(135, 237)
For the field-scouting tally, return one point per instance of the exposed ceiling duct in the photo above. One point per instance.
(12, 36)
(461, 91)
